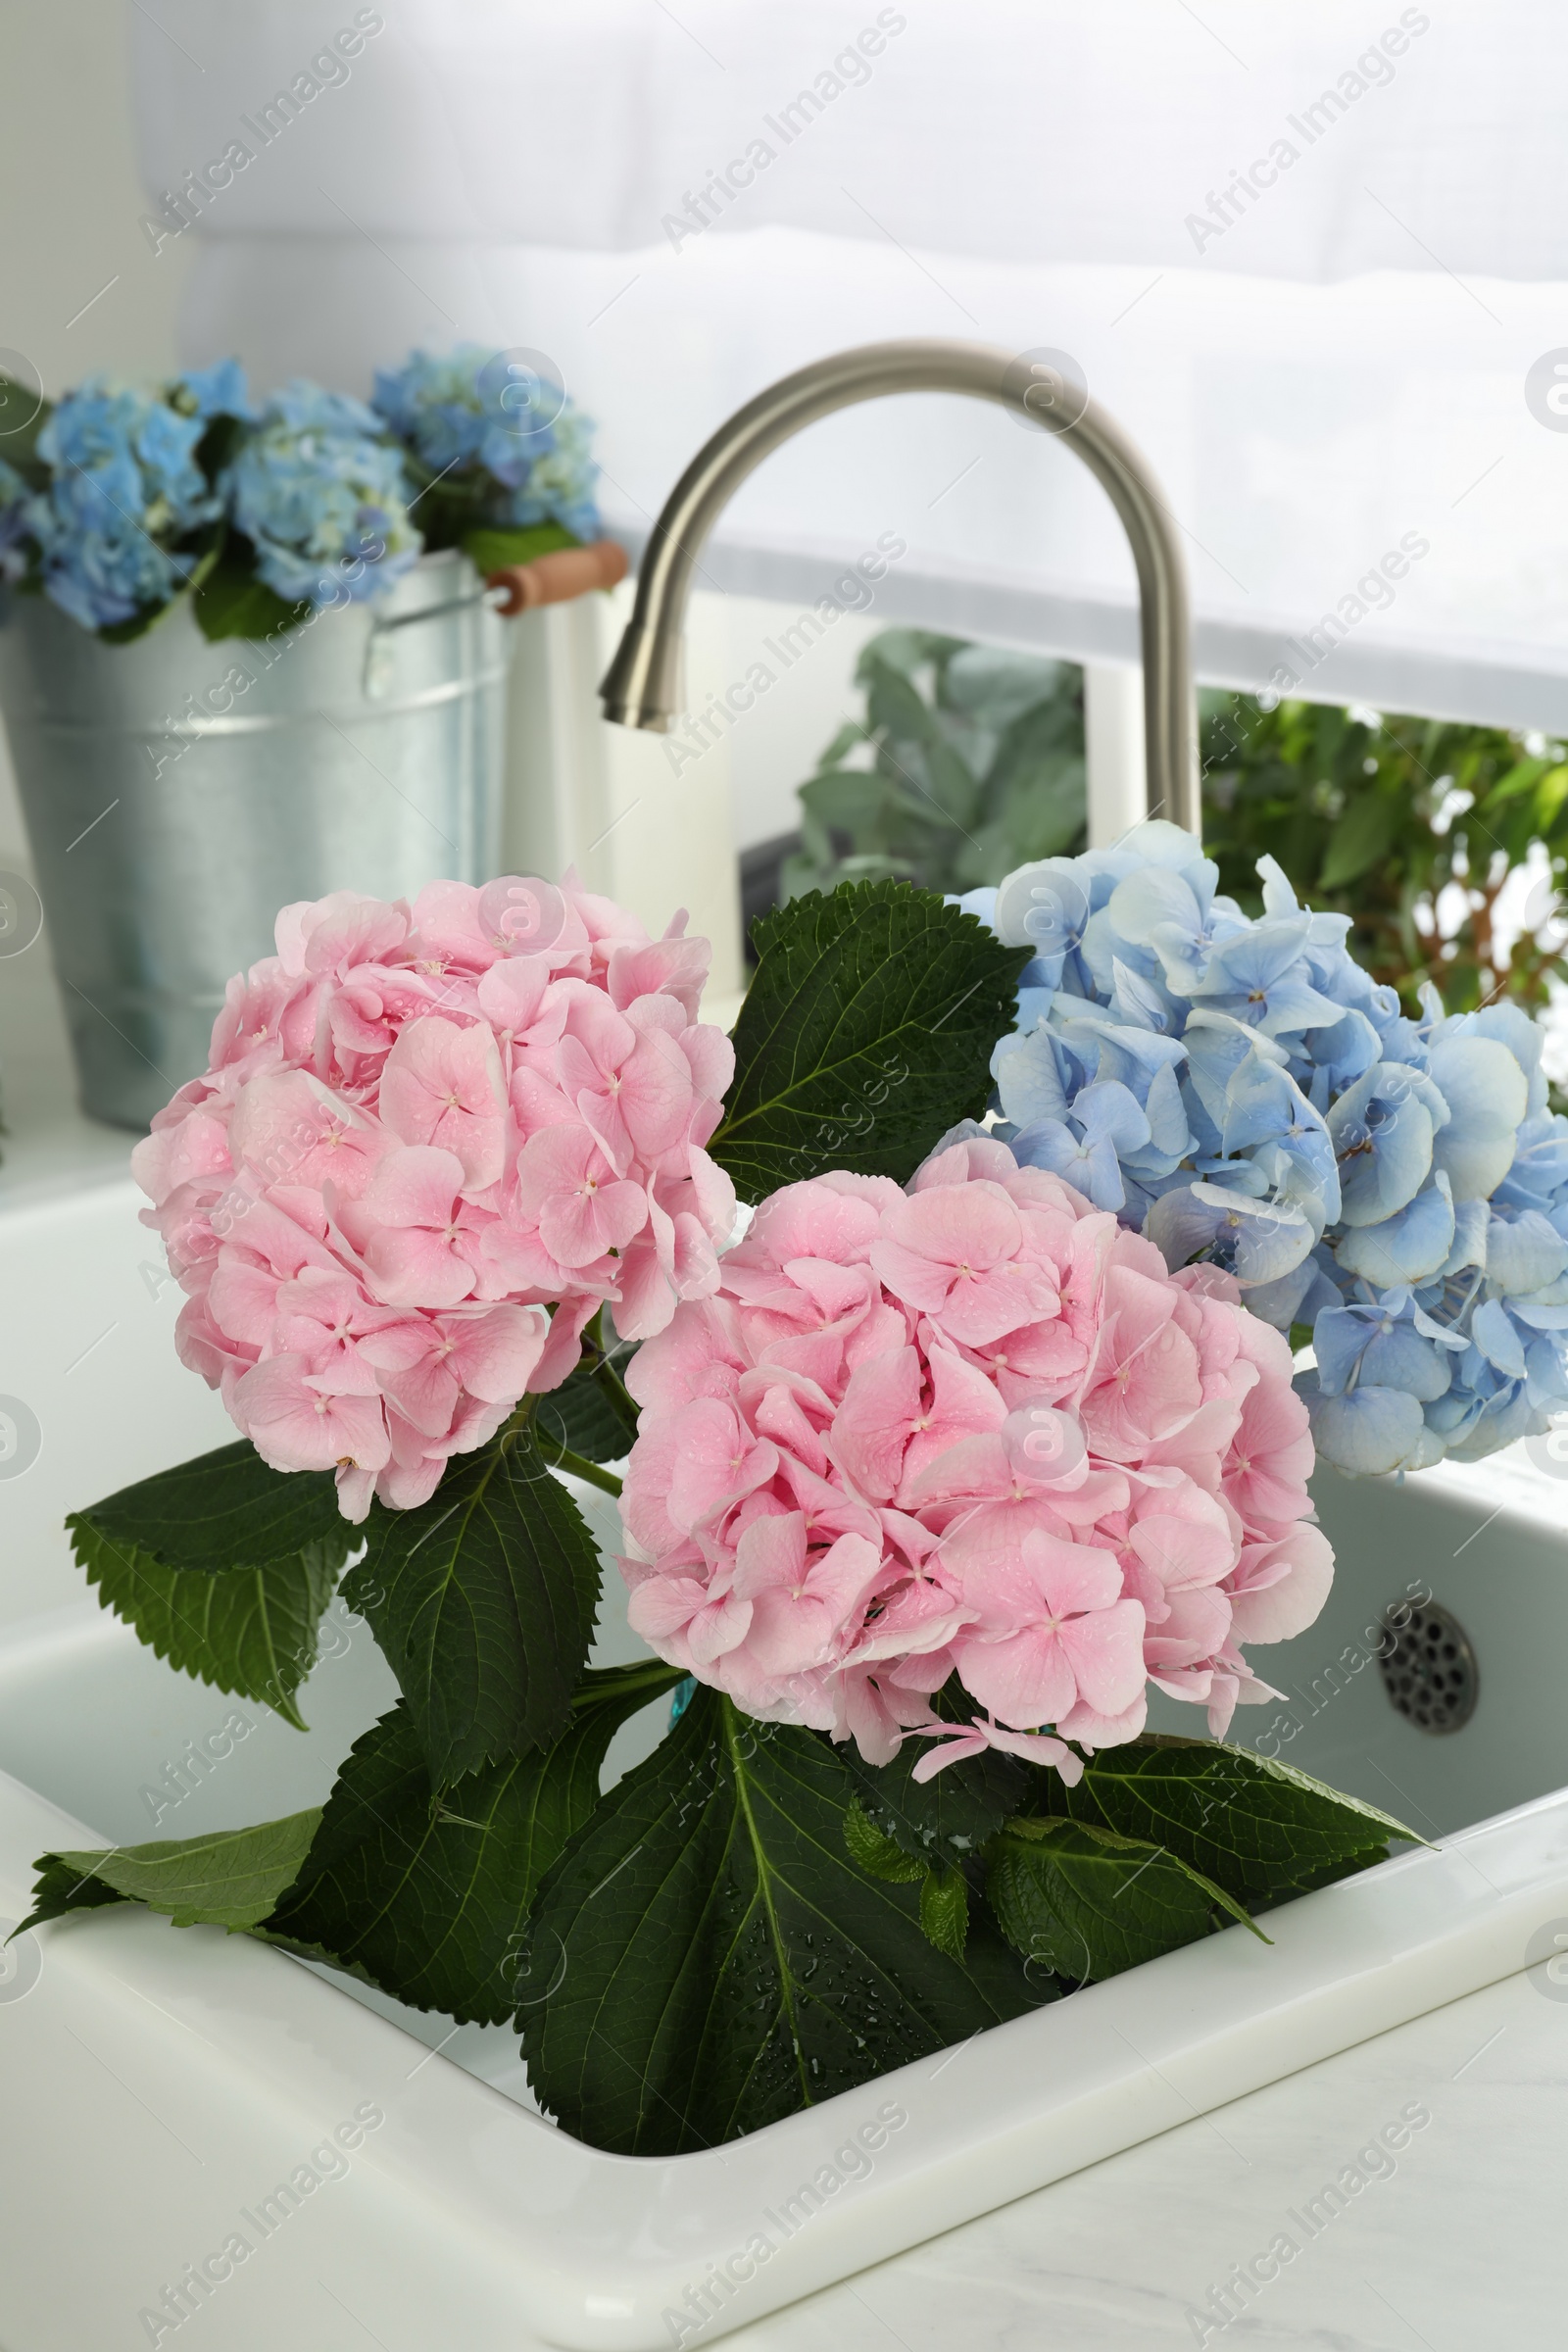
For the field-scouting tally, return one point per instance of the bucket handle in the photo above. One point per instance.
(552, 579)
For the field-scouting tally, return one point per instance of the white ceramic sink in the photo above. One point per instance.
(158, 2085)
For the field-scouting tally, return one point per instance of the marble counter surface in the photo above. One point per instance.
(1456, 2242)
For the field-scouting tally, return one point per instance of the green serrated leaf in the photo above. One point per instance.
(1255, 1825)
(491, 551)
(945, 1911)
(879, 1854)
(483, 1601)
(865, 1034)
(427, 1897)
(227, 1879)
(225, 1509)
(1086, 1903)
(714, 1958)
(250, 1630)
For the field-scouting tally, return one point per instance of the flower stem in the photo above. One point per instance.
(562, 1457)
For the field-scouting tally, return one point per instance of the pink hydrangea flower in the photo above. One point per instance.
(972, 1428)
(434, 1140)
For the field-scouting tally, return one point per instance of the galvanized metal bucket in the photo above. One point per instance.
(178, 793)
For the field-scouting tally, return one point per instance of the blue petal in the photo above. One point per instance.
(1151, 900)
(1368, 1433)
(1042, 905)
(1257, 1241)
(1110, 1113)
(1408, 1246)
(1498, 1339)
(1382, 1133)
(1029, 1078)
(1256, 958)
(1260, 1104)
(1295, 1298)
(1168, 1131)
(1216, 1047)
(1522, 1252)
(1487, 1093)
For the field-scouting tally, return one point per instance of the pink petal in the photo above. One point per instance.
(873, 1425)
(1105, 1650)
(580, 1226)
(1026, 1679)
(295, 1428)
(563, 1346)
(771, 1551)
(415, 1186)
(442, 1085)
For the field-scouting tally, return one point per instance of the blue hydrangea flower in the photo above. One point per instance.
(506, 441)
(321, 495)
(1244, 1093)
(124, 489)
(126, 497)
(219, 390)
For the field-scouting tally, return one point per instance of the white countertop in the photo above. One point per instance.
(1464, 2245)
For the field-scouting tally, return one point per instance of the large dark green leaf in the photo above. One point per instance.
(591, 1413)
(865, 1034)
(706, 1956)
(1258, 1827)
(227, 1879)
(223, 1510)
(948, 1816)
(483, 1601)
(1085, 1903)
(251, 1630)
(425, 1897)
(223, 1566)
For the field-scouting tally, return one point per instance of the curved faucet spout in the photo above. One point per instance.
(642, 687)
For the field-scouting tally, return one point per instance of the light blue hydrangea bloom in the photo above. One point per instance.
(322, 497)
(488, 428)
(1239, 1090)
(124, 491)
(219, 390)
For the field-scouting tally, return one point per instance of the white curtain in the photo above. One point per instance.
(1315, 261)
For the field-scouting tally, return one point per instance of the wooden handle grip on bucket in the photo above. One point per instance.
(552, 579)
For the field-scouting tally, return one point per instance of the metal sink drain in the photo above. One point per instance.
(1430, 1671)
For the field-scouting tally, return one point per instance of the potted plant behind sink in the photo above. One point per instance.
(249, 656)
(931, 1475)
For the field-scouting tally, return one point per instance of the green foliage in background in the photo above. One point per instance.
(976, 764)
(1375, 817)
(971, 760)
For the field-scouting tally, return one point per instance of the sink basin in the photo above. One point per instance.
(237, 2096)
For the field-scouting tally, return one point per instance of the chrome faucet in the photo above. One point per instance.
(642, 688)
